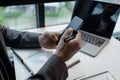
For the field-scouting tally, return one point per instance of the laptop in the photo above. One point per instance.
(99, 22)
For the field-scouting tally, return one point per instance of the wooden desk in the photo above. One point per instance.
(107, 60)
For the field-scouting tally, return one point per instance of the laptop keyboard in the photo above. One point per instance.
(92, 39)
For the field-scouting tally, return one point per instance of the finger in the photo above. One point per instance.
(78, 36)
(54, 36)
(58, 34)
(77, 40)
(67, 32)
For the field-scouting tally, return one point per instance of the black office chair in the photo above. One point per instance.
(7, 71)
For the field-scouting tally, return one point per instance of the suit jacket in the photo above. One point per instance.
(54, 69)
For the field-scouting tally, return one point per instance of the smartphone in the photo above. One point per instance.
(75, 24)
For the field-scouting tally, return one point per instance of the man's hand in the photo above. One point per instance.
(66, 50)
(48, 40)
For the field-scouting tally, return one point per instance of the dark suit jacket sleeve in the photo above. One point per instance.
(54, 69)
(21, 39)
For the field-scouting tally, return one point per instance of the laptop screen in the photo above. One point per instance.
(99, 17)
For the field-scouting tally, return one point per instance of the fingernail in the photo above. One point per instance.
(56, 38)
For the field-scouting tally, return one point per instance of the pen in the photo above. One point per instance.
(79, 77)
(25, 65)
(73, 63)
(96, 75)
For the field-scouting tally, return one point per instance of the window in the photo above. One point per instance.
(58, 12)
(24, 16)
(18, 17)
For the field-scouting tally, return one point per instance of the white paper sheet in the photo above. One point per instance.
(101, 76)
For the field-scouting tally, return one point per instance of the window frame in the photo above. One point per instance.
(39, 7)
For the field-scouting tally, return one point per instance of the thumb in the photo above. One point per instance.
(67, 32)
(54, 36)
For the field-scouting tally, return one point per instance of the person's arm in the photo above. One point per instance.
(55, 68)
(18, 39)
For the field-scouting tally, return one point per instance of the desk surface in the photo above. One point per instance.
(107, 60)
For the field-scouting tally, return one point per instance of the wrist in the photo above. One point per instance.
(62, 56)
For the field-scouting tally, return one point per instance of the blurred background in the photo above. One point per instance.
(24, 16)
(55, 13)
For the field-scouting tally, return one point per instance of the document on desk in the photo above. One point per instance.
(36, 61)
(101, 76)
(36, 58)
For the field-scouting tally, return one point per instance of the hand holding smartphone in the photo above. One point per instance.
(75, 24)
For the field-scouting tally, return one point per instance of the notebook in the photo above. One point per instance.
(33, 60)
(99, 22)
